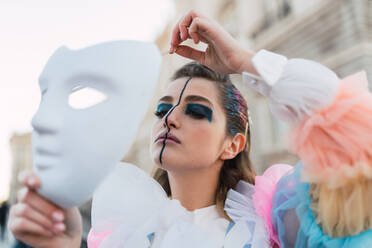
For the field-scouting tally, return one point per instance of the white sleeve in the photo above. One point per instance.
(296, 87)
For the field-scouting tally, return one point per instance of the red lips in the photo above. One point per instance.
(168, 136)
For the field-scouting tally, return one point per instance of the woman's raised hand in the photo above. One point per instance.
(40, 223)
(223, 54)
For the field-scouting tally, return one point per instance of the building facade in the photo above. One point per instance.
(335, 33)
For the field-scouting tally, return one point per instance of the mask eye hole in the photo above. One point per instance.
(82, 97)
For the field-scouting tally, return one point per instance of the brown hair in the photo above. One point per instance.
(236, 110)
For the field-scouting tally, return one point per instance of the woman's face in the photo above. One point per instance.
(197, 124)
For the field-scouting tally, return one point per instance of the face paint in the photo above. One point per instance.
(166, 121)
(163, 109)
(199, 111)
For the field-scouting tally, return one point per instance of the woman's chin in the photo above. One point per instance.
(167, 163)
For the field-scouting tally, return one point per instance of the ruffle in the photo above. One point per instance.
(130, 207)
(239, 206)
(169, 227)
(269, 65)
(264, 188)
(335, 143)
(295, 222)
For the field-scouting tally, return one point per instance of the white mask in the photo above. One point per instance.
(74, 149)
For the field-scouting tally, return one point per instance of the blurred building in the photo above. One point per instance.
(335, 33)
(20, 146)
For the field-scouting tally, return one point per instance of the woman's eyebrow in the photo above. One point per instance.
(189, 98)
(166, 99)
(196, 98)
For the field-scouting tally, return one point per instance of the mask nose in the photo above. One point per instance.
(44, 121)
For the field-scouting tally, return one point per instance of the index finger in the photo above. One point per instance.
(175, 38)
(180, 32)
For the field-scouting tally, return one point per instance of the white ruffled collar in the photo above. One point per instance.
(143, 216)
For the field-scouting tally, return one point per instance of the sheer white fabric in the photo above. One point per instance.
(249, 228)
(135, 210)
(296, 87)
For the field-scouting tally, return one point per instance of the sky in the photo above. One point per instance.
(31, 30)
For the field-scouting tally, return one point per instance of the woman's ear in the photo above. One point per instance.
(234, 147)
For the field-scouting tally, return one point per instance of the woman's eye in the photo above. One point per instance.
(199, 111)
(196, 114)
(160, 114)
(162, 109)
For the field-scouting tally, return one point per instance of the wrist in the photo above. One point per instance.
(246, 64)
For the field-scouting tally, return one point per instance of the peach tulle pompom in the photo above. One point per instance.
(335, 143)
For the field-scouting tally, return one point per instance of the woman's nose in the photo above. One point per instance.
(171, 119)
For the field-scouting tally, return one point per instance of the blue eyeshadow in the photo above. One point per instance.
(199, 110)
(164, 107)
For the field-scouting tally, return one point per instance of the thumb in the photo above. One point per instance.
(29, 179)
(191, 53)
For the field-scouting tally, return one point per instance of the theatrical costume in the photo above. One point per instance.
(325, 201)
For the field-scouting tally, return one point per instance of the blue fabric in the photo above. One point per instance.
(150, 237)
(251, 226)
(295, 223)
(231, 224)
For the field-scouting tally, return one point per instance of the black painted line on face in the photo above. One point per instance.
(166, 120)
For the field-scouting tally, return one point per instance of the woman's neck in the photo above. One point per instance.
(195, 188)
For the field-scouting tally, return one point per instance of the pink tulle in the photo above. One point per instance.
(264, 189)
(335, 143)
(95, 239)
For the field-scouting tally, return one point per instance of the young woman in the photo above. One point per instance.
(324, 201)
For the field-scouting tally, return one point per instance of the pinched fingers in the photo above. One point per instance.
(25, 211)
(185, 22)
(191, 53)
(20, 226)
(41, 207)
(180, 32)
(198, 28)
